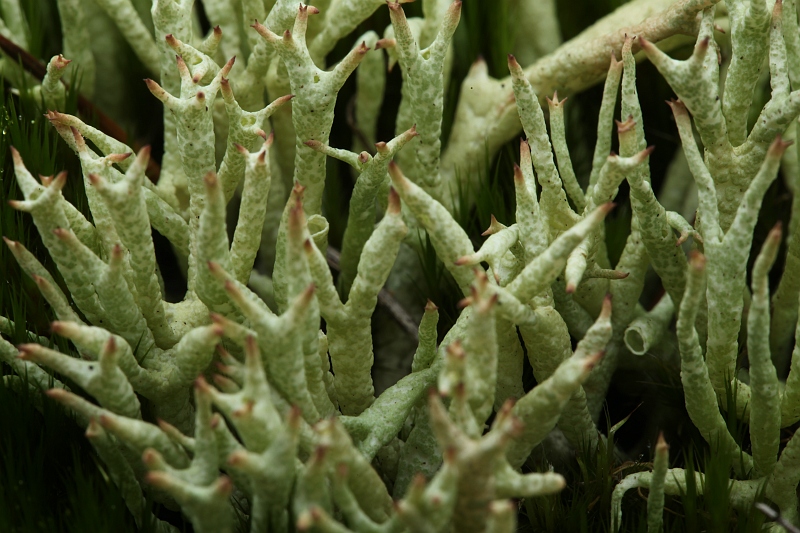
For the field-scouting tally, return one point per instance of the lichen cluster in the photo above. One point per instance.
(256, 391)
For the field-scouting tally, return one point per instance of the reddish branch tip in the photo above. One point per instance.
(394, 202)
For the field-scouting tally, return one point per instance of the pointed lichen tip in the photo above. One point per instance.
(455, 350)
(298, 190)
(394, 202)
(308, 246)
(59, 181)
(157, 479)
(314, 144)
(606, 208)
(62, 234)
(591, 361)
(214, 267)
(57, 394)
(430, 306)
(397, 176)
(26, 352)
(516, 69)
(210, 180)
(200, 384)
(241, 149)
(385, 43)
(117, 252)
(151, 458)
(464, 302)
(661, 443)
(518, 176)
(626, 125)
(605, 311)
(776, 233)
(226, 69)
(697, 260)
(118, 158)
(307, 294)
(644, 154)
(462, 261)
(93, 429)
(570, 288)
(394, 7)
(778, 147)
(237, 458)
(78, 138)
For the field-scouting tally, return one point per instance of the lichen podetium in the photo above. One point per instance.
(256, 392)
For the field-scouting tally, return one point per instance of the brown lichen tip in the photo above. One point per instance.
(777, 10)
(364, 157)
(156, 89)
(397, 176)
(381, 147)
(394, 202)
(117, 253)
(93, 429)
(26, 352)
(308, 246)
(455, 351)
(570, 288)
(251, 346)
(625, 126)
(62, 234)
(644, 154)
(61, 62)
(95, 180)
(464, 302)
(226, 68)
(678, 107)
(494, 225)
(778, 147)
(555, 102)
(697, 261)
(591, 361)
(512, 63)
(237, 458)
(776, 233)
(79, 140)
(605, 311)
(245, 410)
(118, 158)
(58, 182)
(519, 178)
(200, 384)
(385, 43)
(606, 208)
(298, 190)
(464, 260)
(431, 307)
(661, 443)
(210, 180)
(315, 145)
